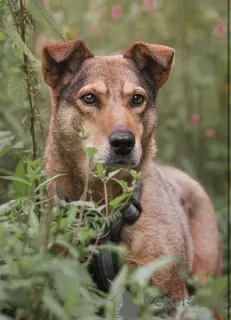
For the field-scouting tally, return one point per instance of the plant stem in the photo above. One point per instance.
(75, 240)
(28, 217)
(96, 242)
(48, 219)
(107, 213)
(29, 86)
(18, 315)
(106, 197)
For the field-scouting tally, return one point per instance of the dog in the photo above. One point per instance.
(114, 98)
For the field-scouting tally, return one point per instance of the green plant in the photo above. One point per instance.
(44, 274)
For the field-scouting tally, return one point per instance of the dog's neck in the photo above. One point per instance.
(76, 185)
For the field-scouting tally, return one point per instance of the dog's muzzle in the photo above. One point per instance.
(119, 150)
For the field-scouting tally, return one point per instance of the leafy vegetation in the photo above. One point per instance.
(38, 280)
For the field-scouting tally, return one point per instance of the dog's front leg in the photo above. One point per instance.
(168, 279)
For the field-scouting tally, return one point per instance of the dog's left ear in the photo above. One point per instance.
(154, 62)
(61, 61)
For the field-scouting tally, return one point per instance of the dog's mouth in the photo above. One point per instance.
(119, 164)
(110, 158)
(122, 162)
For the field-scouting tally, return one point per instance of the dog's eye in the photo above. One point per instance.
(89, 98)
(137, 99)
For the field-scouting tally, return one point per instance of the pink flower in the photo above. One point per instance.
(195, 120)
(116, 12)
(148, 5)
(210, 133)
(46, 2)
(220, 30)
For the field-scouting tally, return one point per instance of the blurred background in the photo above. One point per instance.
(192, 107)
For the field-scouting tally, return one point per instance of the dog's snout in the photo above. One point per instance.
(122, 142)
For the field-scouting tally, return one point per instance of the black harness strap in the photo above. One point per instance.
(129, 215)
(104, 265)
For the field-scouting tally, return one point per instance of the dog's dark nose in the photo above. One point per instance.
(122, 142)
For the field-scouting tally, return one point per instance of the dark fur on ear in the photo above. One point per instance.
(61, 61)
(154, 62)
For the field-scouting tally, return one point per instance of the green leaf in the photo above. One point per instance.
(133, 174)
(18, 298)
(48, 181)
(8, 206)
(13, 34)
(5, 134)
(63, 243)
(34, 223)
(12, 178)
(40, 8)
(100, 170)
(212, 294)
(87, 204)
(4, 150)
(2, 36)
(119, 282)
(5, 143)
(115, 202)
(17, 89)
(143, 274)
(18, 145)
(116, 289)
(112, 174)
(2, 317)
(122, 183)
(8, 47)
(90, 152)
(53, 305)
(22, 190)
(26, 283)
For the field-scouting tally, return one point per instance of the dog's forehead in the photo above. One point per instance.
(110, 69)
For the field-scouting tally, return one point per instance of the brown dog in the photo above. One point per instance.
(113, 98)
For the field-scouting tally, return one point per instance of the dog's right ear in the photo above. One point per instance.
(61, 61)
(154, 61)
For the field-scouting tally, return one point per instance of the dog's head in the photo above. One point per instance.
(111, 97)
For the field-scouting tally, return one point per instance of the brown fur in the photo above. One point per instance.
(178, 217)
